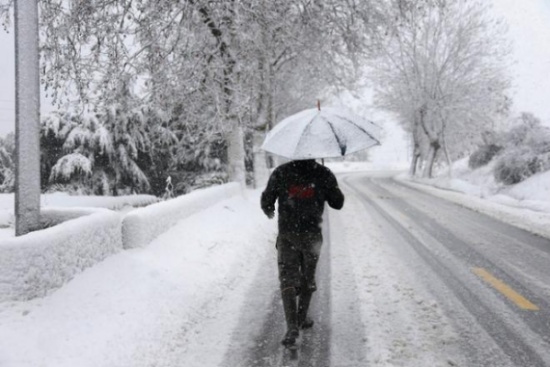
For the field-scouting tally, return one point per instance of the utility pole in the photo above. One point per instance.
(27, 118)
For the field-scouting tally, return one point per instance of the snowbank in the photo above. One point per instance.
(535, 190)
(143, 225)
(32, 264)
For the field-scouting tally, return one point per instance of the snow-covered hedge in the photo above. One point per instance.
(141, 226)
(62, 199)
(32, 264)
(60, 206)
(53, 216)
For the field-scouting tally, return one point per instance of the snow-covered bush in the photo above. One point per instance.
(515, 166)
(543, 162)
(37, 262)
(483, 155)
(188, 182)
(526, 151)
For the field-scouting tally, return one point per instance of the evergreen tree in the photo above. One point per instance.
(7, 166)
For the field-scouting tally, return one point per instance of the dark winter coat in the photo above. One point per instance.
(301, 188)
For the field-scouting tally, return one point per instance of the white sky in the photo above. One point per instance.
(529, 29)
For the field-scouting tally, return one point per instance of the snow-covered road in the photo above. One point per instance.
(486, 280)
(406, 279)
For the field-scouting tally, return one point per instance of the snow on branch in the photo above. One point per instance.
(71, 165)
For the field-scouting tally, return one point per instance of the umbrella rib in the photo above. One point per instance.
(360, 128)
(342, 146)
(304, 132)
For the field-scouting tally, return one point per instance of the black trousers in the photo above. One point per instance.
(298, 254)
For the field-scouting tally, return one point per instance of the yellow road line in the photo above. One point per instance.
(503, 288)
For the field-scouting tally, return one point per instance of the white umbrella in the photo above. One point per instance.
(321, 133)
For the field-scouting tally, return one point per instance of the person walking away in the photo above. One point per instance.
(301, 188)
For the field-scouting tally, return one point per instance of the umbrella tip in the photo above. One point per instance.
(319, 105)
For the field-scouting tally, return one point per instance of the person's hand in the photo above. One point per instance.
(270, 214)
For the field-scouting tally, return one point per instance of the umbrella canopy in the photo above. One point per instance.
(325, 133)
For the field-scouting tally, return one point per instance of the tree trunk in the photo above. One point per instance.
(433, 138)
(235, 154)
(270, 113)
(432, 153)
(414, 162)
(416, 146)
(234, 135)
(447, 156)
(249, 157)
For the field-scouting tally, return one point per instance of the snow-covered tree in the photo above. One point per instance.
(54, 130)
(230, 67)
(7, 165)
(440, 68)
(107, 153)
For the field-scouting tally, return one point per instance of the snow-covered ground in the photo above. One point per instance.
(144, 306)
(176, 301)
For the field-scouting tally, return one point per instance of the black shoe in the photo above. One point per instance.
(290, 337)
(307, 323)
